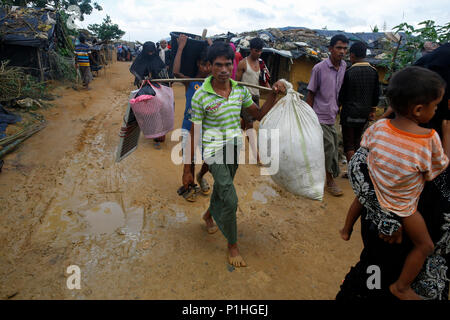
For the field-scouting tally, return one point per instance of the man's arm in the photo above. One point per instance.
(182, 39)
(313, 86)
(259, 113)
(310, 98)
(242, 67)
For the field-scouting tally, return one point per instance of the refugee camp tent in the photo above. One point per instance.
(33, 38)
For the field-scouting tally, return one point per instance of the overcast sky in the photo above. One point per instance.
(149, 20)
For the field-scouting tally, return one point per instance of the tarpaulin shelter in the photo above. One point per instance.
(292, 52)
(29, 37)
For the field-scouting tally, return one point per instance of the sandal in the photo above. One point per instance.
(204, 185)
(188, 194)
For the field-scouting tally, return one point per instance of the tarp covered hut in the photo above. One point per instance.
(33, 38)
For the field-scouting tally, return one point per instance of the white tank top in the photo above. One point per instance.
(250, 76)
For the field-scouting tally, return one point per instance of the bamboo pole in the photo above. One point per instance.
(202, 79)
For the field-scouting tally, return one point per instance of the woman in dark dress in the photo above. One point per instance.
(148, 65)
(384, 245)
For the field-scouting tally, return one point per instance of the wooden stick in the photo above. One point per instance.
(40, 64)
(202, 79)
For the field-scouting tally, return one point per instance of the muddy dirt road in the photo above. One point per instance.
(64, 201)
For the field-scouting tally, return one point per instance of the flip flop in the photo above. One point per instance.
(204, 185)
(188, 194)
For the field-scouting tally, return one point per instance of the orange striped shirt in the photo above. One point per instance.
(399, 164)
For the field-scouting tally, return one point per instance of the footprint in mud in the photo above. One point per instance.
(263, 192)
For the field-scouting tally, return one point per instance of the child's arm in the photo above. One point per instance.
(182, 39)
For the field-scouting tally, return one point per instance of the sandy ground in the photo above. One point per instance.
(64, 201)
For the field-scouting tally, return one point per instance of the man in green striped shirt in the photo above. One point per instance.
(216, 108)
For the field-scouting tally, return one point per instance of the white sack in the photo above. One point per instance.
(300, 153)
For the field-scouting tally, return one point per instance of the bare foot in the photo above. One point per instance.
(334, 189)
(403, 294)
(234, 257)
(210, 225)
(345, 234)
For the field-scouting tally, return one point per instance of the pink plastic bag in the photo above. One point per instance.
(155, 114)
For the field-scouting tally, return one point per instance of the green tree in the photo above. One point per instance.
(412, 43)
(107, 30)
(86, 6)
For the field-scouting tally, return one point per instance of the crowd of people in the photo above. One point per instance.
(398, 166)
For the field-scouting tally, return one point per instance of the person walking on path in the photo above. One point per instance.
(83, 54)
(358, 97)
(148, 65)
(323, 90)
(216, 109)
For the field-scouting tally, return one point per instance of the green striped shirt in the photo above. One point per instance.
(219, 117)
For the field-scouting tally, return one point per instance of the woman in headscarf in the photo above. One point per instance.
(148, 65)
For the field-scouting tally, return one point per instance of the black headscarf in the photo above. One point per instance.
(146, 64)
(439, 61)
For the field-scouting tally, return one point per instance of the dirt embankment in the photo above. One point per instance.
(64, 201)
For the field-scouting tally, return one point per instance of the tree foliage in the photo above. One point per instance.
(413, 42)
(107, 30)
(86, 6)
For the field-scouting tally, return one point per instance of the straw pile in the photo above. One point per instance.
(15, 83)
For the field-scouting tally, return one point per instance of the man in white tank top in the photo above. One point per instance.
(249, 71)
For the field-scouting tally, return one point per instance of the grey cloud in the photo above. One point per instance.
(341, 18)
(255, 14)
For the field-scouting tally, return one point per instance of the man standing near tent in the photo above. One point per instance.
(323, 91)
(83, 54)
(216, 108)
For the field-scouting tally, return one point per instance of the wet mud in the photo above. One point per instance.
(65, 201)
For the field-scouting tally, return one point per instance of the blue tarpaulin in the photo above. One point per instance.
(6, 118)
(26, 26)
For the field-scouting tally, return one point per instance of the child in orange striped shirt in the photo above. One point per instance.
(401, 156)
